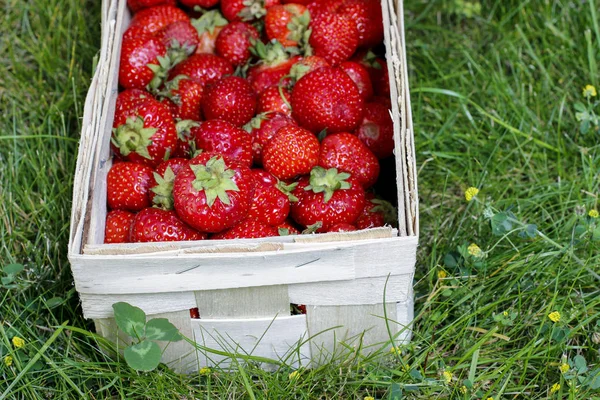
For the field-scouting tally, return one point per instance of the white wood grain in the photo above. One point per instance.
(353, 292)
(404, 317)
(271, 338)
(252, 302)
(100, 305)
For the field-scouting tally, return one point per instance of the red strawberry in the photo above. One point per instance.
(317, 7)
(180, 38)
(342, 227)
(128, 186)
(275, 99)
(288, 228)
(378, 71)
(366, 14)
(135, 31)
(161, 188)
(156, 225)
(382, 100)
(377, 130)
(327, 99)
(347, 153)
(156, 18)
(328, 197)
(273, 66)
(303, 2)
(287, 24)
(145, 133)
(221, 137)
(231, 99)
(334, 37)
(185, 142)
(203, 68)
(130, 99)
(360, 76)
(291, 152)
(213, 193)
(375, 213)
(208, 27)
(245, 10)
(271, 201)
(143, 62)
(185, 97)
(234, 41)
(118, 223)
(262, 128)
(199, 3)
(306, 65)
(137, 5)
(247, 229)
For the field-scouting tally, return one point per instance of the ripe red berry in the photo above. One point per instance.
(143, 62)
(377, 130)
(230, 99)
(156, 225)
(342, 227)
(262, 128)
(287, 24)
(275, 99)
(234, 41)
(293, 151)
(137, 5)
(203, 68)
(154, 19)
(161, 188)
(118, 224)
(367, 16)
(247, 229)
(360, 76)
(128, 186)
(221, 137)
(271, 201)
(334, 37)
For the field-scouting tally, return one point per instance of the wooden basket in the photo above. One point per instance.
(243, 288)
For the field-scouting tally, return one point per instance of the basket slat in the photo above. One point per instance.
(253, 302)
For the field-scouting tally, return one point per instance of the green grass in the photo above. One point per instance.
(493, 99)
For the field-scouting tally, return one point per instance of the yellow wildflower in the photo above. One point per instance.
(594, 213)
(369, 398)
(204, 371)
(589, 91)
(475, 250)
(447, 375)
(470, 193)
(490, 398)
(294, 375)
(463, 389)
(395, 350)
(406, 368)
(18, 342)
(564, 368)
(555, 388)
(554, 316)
(505, 313)
(442, 274)
(8, 360)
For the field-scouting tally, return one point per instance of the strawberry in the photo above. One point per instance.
(288, 24)
(180, 38)
(382, 100)
(224, 138)
(185, 142)
(247, 229)
(143, 62)
(377, 130)
(208, 26)
(213, 193)
(317, 7)
(342, 227)
(327, 99)
(231, 99)
(262, 128)
(306, 65)
(378, 71)
(199, 3)
(287, 228)
(137, 5)
(275, 99)
(347, 153)
(328, 197)
(291, 152)
(271, 201)
(203, 68)
(272, 68)
(245, 10)
(334, 37)
(360, 76)
(376, 213)
(234, 41)
(185, 97)
(130, 99)
(161, 188)
(135, 31)
(145, 133)
(366, 14)
(156, 225)
(118, 223)
(128, 186)
(156, 18)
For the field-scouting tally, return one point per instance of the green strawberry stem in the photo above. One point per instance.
(163, 191)
(161, 70)
(132, 136)
(287, 190)
(215, 179)
(312, 228)
(390, 214)
(209, 21)
(184, 127)
(327, 181)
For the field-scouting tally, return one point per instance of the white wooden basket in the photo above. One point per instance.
(243, 288)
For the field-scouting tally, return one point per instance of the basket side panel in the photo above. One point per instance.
(264, 301)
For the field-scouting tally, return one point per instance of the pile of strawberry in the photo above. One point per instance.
(247, 119)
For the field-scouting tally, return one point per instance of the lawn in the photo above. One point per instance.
(494, 93)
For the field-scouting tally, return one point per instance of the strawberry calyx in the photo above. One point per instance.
(298, 28)
(184, 129)
(370, 59)
(390, 214)
(310, 229)
(132, 136)
(163, 191)
(215, 179)
(171, 89)
(209, 21)
(254, 9)
(255, 122)
(287, 188)
(284, 232)
(161, 70)
(327, 181)
(273, 53)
